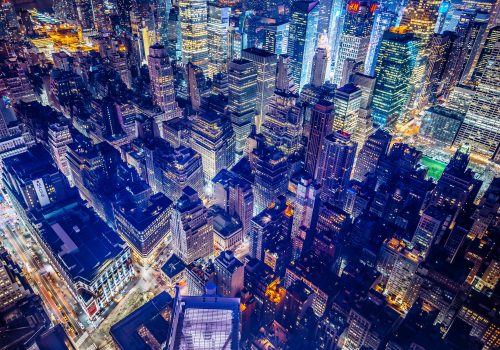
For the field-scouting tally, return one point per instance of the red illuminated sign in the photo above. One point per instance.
(92, 309)
(353, 6)
(373, 8)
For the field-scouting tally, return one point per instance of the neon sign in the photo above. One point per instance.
(353, 6)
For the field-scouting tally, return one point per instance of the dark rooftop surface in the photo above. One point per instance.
(154, 316)
(173, 266)
(83, 242)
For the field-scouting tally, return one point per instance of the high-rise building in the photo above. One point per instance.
(355, 39)
(85, 14)
(282, 126)
(347, 105)
(271, 176)
(395, 64)
(229, 272)
(320, 62)
(11, 287)
(194, 36)
(441, 124)
(242, 100)
(144, 224)
(213, 138)
(420, 17)
(337, 161)
(480, 127)
(235, 195)
(217, 29)
(432, 222)
(205, 322)
(302, 39)
(276, 38)
(402, 277)
(265, 66)
(375, 147)
(59, 137)
(305, 206)
(192, 235)
(321, 125)
(364, 125)
(162, 81)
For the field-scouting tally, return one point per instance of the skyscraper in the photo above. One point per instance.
(213, 138)
(205, 322)
(321, 125)
(271, 176)
(192, 235)
(480, 127)
(242, 100)
(320, 63)
(347, 105)
(375, 147)
(302, 39)
(193, 19)
(162, 81)
(59, 137)
(395, 64)
(218, 45)
(265, 66)
(305, 206)
(355, 38)
(337, 161)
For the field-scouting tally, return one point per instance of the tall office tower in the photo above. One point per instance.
(171, 169)
(195, 85)
(242, 100)
(282, 126)
(234, 194)
(162, 81)
(59, 137)
(347, 104)
(420, 17)
(460, 98)
(143, 220)
(229, 272)
(395, 64)
(174, 35)
(321, 125)
(265, 65)
(302, 39)
(305, 206)
(85, 14)
(487, 211)
(213, 138)
(375, 147)
(276, 38)
(271, 176)
(192, 232)
(402, 277)
(457, 186)
(205, 322)
(284, 76)
(193, 20)
(320, 63)
(217, 29)
(386, 16)
(337, 161)
(481, 128)
(355, 38)
(474, 41)
(364, 125)
(439, 52)
(433, 222)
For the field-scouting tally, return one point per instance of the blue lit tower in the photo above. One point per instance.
(302, 39)
(355, 38)
(395, 64)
